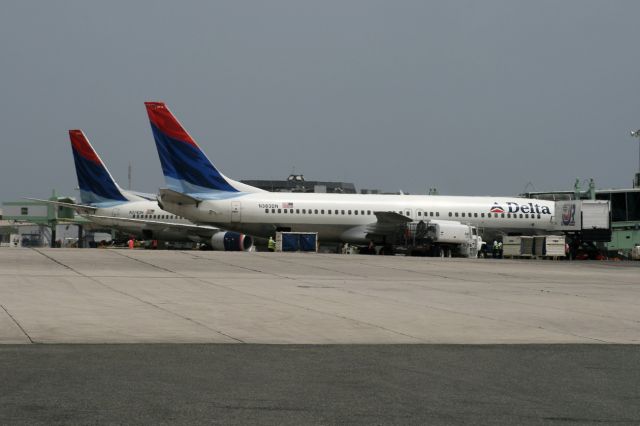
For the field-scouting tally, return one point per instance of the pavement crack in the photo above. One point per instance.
(191, 320)
(18, 324)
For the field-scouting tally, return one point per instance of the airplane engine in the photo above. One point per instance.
(231, 241)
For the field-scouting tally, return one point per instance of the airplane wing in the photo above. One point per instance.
(388, 224)
(391, 218)
(79, 208)
(158, 225)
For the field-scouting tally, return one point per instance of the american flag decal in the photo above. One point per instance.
(287, 205)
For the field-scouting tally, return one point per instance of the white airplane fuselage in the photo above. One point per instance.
(345, 217)
(147, 212)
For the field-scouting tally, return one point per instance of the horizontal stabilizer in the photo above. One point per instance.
(175, 197)
(79, 208)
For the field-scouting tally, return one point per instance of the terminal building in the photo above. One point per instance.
(297, 183)
(28, 223)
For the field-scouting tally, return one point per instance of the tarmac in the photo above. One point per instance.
(147, 296)
(117, 336)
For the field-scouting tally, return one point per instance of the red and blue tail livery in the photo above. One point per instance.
(185, 167)
(95, 181)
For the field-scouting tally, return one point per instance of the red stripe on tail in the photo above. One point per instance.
(167, 123)
(81, 145)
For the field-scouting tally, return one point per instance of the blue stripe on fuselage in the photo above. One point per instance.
(187, 165)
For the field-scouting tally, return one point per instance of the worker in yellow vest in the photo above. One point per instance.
(272, 244)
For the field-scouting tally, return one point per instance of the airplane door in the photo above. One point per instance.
(235, 211)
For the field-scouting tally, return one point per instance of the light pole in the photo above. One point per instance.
(636, 134)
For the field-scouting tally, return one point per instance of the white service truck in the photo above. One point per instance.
(439, 238)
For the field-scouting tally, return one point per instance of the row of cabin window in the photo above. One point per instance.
(502, 215)
(431, 214)
(321, 211)
(155, 216)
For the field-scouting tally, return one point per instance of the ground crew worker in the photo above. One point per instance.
(499, 249)
(495, 249)
(271, 245)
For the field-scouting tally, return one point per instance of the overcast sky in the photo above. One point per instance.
(471, 97)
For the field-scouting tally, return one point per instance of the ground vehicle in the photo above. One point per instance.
(438, 238)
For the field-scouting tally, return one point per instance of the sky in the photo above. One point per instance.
(473, 98)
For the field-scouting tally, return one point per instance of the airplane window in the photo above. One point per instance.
(349, 211)
(419, 213)
(336, 212)
(481, 214)
(520, 215)
(469, 214)
(456, 214)
(538, 216)
(400, 212)
(437, 213)
(362, 212)
(355, 212)
(322, 211)
(329, 211)
(279, 210)
(526, 216)
(431, 214)
(297, 211)
(316, 211)
(502, 214)
(475, 215)
(342, 211)
(368, 212)
(462, 214)
(450, 214)
(304, 211)
(508, 214)
(266, 210)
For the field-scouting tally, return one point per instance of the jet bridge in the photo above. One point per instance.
(589, 219)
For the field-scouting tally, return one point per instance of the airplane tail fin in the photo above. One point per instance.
(95, 181)
(185, 166)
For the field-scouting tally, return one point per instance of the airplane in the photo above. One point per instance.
(197, 190)
(105, 204)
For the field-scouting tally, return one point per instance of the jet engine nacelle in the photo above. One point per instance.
(231, 241)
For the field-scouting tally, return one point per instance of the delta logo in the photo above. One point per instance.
(513, 207)
(496, 208)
